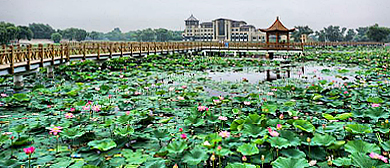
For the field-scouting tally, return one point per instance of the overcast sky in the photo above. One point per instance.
(104, 15)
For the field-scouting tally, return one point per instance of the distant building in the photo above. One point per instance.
(221, 30)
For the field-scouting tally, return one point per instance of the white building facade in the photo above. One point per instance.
(221, 30)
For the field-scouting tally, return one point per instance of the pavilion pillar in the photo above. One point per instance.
(277, 37)
(267, 38)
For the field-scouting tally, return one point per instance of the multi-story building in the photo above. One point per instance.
(221, 30)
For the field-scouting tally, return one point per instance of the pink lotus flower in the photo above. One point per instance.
(274, 89)
(48, 106)
(3, 95)
(279, 126)
(270, 93)
(136, 93)
(97, 89)
(127, 112)
(55, 130)
(247, 103)
(206, 143)
(183, 136)
(180, 98)
(86, 108)
(109, 96)
(219, 147)
(184, 87)
(69, 115)
(171, 89)
(221, 98)
(345, 92)
(224, 134)
(374, 155)
(203, 108)
(217, 101)
(375, 105)
(88, 103)
(7, 133)
(273, 133)
(29, 150)
(96, 108)
(223, 118)
(281, 116)
(180, 129)
(295, 118)
(72, 109)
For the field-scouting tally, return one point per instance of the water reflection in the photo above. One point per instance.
(307, 73)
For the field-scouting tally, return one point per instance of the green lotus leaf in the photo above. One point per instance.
(293, 153)
(72, 133)
(323, 140)
(240, 165)
(358, 128)
(359, 146)
(237, 125)
(134, 158)
(279, 142)
(283, 162)
(102, 145)
(253, 130)
(362, 160)
(342, 161)
(248, 149)
(177, 147)
(375, 100)
(385, 145)
(195, 156)
(376, 113)
(304, 125)
(124, 131)
(291, 137)
(254, 119)
(21, 97)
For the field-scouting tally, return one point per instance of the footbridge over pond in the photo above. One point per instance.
(19, 60)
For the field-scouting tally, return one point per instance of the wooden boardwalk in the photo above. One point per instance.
(19, 59)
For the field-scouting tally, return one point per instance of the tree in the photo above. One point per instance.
(163, 34)
(331, 33)
(41, 31)
(299, 30)
(56, 37)
(361, 34)
(350, 35)
(74, 34)
(94, 35)
(377, 33)
(24, 32)
(8, 32)
(148, 35)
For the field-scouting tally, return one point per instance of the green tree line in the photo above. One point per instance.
(337, 34)
(9, 32)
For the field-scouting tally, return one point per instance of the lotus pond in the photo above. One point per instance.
(324, 109)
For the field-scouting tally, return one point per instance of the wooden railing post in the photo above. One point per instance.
(122, 49)
(84, 52)
(12, 65)
(42, 53)
(61, 53)
(98, 51)
(140, 48)
(148, 48)
(29, 53)
(52, 54)
(110, 50)
(67, 52)
(131, 49)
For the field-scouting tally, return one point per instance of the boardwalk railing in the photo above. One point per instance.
(12, 57)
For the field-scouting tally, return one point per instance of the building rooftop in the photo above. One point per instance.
(277, 26)
(192, 18)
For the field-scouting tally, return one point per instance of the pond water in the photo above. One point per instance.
(309, 73)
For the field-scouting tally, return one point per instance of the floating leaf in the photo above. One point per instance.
(248, 149)
(304, 125)
(102, 145)
(283, 162)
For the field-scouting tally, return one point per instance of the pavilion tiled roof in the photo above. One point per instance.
(192, 18)
(277, 26)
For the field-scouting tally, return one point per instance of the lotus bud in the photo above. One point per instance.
(176, 166)
(212, 158)
(262, 158)
(387, 121)
(330, 163)
(281, 116)
(219, 147)
(308, 139)
(244, 159)
(385, 153)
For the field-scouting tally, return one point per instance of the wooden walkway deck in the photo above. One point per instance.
(19, 59)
